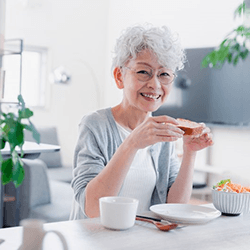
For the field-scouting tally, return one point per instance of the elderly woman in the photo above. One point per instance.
(123, 150)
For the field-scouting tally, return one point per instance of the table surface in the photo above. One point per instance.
(32, 148)
(224, 232)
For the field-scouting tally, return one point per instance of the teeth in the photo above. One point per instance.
(151, 96)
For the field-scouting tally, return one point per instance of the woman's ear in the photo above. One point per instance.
(118, 77)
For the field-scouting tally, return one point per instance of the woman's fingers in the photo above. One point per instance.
(165, 119)
(168, 138)
(156, 129)
(209, 138)
(165, 126)
(167, 123)
(169, 130)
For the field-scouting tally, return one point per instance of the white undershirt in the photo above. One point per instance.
(141, 177)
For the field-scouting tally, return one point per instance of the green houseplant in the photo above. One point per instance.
(12, 128)
(234, 47)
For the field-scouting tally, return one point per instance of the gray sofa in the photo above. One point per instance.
(45, 192)
(54, 189)
(42, 197)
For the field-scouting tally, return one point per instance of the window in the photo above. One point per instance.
(32, 73)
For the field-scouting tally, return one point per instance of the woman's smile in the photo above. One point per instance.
(150, 96)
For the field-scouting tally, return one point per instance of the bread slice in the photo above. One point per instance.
(189, 127)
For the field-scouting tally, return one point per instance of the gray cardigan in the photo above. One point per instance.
(98, 140)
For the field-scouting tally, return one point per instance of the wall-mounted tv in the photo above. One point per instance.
(210, 95)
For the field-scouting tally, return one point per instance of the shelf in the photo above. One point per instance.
(9, 52)
(12, 47)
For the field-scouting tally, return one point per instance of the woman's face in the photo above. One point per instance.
(146, 95)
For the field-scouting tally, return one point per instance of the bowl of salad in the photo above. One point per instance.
(231, 198)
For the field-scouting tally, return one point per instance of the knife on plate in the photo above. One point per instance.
(152, 218)
(159, 220)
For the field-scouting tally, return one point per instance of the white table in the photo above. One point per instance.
(230, 233)
(31, 150)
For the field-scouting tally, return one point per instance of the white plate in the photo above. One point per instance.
(185, 213)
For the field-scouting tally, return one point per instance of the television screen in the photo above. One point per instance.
(211, 95)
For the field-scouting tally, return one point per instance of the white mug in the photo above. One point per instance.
(118, 212)
(33, 235)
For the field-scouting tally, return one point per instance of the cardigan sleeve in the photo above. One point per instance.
(174, 166)
(88, 163)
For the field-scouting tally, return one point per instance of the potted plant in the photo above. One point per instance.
(12, 126)
(234, 47)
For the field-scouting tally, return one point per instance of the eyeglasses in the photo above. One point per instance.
(144, 74)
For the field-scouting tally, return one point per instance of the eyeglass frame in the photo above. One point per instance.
(152, 75)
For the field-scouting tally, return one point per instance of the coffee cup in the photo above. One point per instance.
(34, 233)
(118, 213)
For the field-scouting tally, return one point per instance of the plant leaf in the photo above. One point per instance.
(18, 173)
(2, 142)
(223, 42)
(6, 170)
(16, 135)
(2, 121)
(20, 99)
(1, 159)
(9, 117)
(244, 54)
(27, 127)
(236, 59)
(229, 57)
(12, 131)
(222, 54)
(211, 58)
(240, 10)
(35, 133)
(25, 113)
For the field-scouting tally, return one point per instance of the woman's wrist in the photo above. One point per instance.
(189, 154)
(129, 145)
(187, 150)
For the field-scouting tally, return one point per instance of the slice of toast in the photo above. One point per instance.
(189, 127)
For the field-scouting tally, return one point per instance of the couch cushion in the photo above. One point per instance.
(60, 206)
(37, 182)
(64, 174)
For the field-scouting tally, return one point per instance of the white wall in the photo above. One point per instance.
(74, 32)
(80, 35)
(231, 152)
(199, 23)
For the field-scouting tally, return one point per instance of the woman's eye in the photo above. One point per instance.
(143, 72)
(165, 74)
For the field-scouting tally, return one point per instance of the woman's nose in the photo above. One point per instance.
(154, 82)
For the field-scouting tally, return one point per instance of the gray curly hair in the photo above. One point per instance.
(164, 44)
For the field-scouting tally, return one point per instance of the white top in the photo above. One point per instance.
(141, 177)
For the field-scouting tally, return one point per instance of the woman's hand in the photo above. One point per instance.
(155, 129)
(196, 143)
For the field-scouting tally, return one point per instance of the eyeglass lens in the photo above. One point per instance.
(145, 74)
